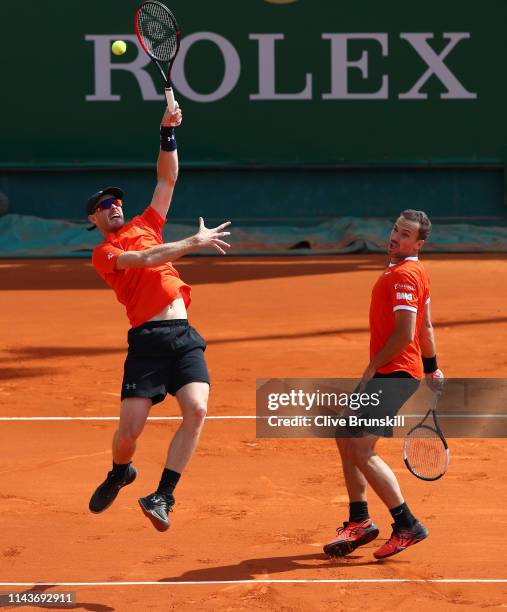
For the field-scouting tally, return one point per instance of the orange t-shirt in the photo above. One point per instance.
(402, 286)
(143, 291)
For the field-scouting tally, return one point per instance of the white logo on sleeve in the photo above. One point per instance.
(110, 256)
(404, 296)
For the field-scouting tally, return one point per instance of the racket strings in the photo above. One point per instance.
(159, 31)
(426, 453)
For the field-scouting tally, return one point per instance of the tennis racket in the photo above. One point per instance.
(425, 449)
(159, 35)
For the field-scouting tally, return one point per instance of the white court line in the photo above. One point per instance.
(218, 418)
(287, 581)
(117, 418)
(461, 416)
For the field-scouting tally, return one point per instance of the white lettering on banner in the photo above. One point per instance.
(267, 81)
(340, 66)
(436, 66)
(231, 73)
(104, 67)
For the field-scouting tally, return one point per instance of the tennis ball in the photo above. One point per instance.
(119, 47)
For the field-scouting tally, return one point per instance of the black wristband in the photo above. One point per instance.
(167, 138)
(430, 364)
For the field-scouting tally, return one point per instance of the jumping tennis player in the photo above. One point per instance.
(165, 354)
(402, 347)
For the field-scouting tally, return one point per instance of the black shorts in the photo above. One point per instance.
(394, 389)
(162, 357)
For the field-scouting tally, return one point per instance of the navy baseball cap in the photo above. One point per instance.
(92, 202)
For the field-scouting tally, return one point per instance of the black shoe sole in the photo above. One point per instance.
(155, 520)
(341, 549)
(127, 482)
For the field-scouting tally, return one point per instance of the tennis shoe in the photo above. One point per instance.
(157, 507)
(351, 536)
(401, 539)
(106, 493)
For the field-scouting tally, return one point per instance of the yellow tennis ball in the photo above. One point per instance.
(119, 47)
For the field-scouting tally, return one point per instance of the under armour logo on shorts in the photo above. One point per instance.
(130, 386)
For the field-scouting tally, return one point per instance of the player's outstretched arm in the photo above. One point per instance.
(434, 376)
(426, 335)
(167, 164)
(157, 255)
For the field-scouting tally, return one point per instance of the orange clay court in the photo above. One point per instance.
(250, 512)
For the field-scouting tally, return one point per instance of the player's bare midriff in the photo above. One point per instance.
(175, 310)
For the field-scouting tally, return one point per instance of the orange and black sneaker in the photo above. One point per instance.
(351, 536)
(401, 539)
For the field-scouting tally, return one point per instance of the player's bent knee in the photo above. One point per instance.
(359, 454)
(129, 434)
(195, 413)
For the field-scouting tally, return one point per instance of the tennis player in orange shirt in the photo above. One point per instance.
(402, 347)
(165, 354)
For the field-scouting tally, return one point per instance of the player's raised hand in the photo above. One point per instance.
(172, 119)
(436, 381)
(213, 236)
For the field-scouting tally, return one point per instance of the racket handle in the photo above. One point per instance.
(169, 96)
